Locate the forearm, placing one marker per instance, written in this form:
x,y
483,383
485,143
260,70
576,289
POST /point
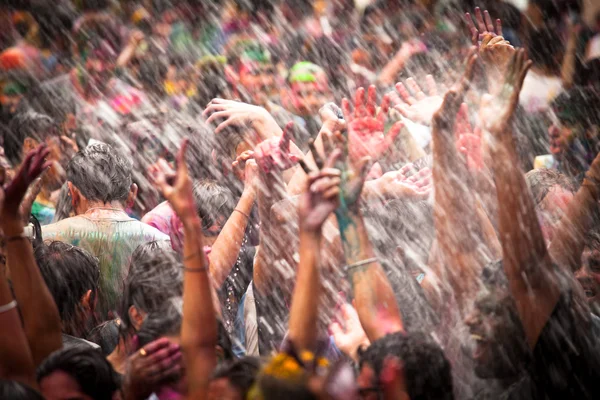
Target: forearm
x,y
41,319
199,326
390,71
373,295
125,56
16,362
568,66
226,248
305,301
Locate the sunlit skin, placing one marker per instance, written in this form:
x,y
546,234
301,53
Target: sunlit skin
x,y
589,276
552,209
61,386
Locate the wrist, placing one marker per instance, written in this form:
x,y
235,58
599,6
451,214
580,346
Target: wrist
x,y
248,194
12,226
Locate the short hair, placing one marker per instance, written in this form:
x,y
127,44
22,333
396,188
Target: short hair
x,y
26,124
212,201
69,272
241,373
414,350
540,181
100,173
18,391
155,275
94,374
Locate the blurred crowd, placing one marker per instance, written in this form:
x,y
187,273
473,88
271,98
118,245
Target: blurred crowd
x,y
299,199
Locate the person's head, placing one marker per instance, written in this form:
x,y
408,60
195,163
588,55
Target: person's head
x,y
255,71
155,275
552,193
545,49
18,391
572,118
233,379
414,350
309,88
166,322
72,276
99,175
588,274
78,373
212,80
214,204
13,93
499,348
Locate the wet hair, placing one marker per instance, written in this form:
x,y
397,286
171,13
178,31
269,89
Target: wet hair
x,y
26,124
166,321
69,272
155,275
414,350
573,106
241,373
64,206
18,391
100,173
94,374
541,181
106,335
212,201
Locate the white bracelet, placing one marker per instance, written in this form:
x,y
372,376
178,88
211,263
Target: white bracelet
x,y
8,306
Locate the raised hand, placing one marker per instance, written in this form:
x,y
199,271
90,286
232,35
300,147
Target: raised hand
x,y
497,112
397,185
468,141
366,136
12,195
246,169
229,113
419,106
322,195
445,117
484,26
274,153
176,186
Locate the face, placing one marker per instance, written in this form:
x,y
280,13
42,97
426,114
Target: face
x,y
309,97
175,388
497,343
259,82
552,209
589,277
99,72
222,389
61,386
560,137
368,387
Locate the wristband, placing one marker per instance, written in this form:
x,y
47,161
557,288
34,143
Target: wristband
x,y
8,306
241,212
360,264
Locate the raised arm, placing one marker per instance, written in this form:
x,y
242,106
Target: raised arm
x,y
373,295
199,325
16,361
569,240
41,319
526,261
226,248
459,232
319,200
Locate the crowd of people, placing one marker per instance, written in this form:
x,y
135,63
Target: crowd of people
x,y
299,199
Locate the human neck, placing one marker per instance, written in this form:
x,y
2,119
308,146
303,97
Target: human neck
x,y
90,206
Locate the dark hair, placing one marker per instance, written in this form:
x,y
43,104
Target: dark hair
x,y
26,124
100,173
18,391
166,321
212,201
155,275
541,181
64,206
415,350
69,272
241,373
545,48
94,374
